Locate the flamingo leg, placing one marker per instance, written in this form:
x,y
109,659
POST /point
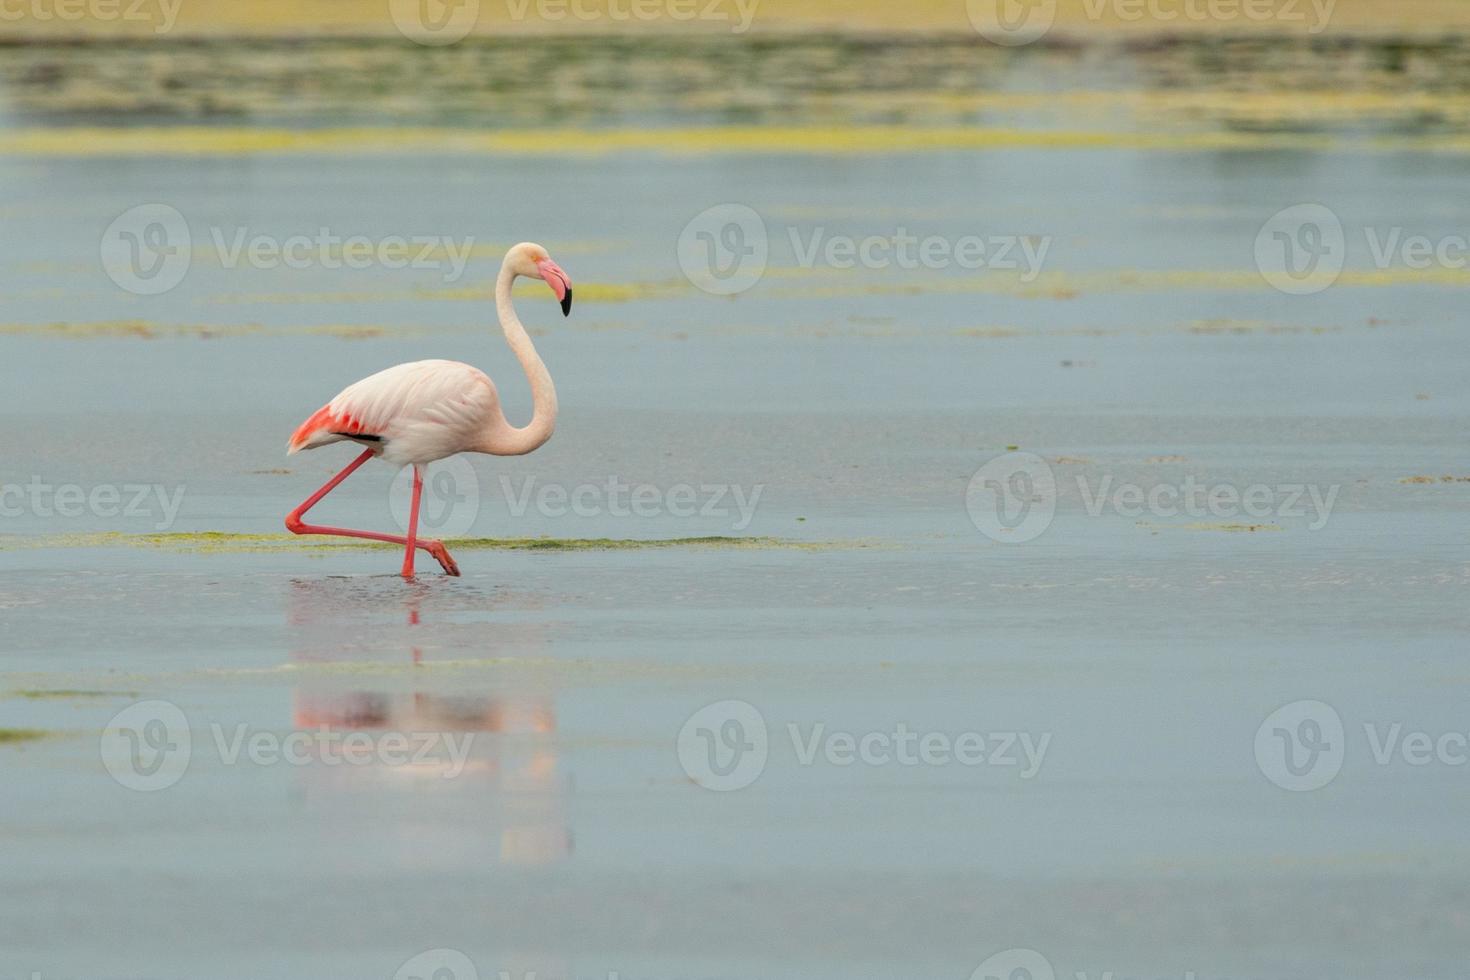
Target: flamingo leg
x,y
296,525
413,521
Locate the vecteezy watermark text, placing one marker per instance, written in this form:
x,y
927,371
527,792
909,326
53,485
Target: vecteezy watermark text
x,y
1024,254
725,747
453,964
1028,964
149,249
1013,498
442,22
726,249
162,14
1221,501
1302,746
615,498
149,746
451,499
737,13
1017,22
105,500
328,250
1303,249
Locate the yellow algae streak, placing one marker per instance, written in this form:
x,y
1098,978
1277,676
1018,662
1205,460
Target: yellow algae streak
x,y
218,141
827,140
587,292
106,328
36,694
148,330
228,543
15,736
818,283
1207,526
1069,285
1224,326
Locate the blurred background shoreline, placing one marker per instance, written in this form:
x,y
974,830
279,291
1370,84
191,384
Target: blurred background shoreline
x,y
1074,19
902,94
1144,74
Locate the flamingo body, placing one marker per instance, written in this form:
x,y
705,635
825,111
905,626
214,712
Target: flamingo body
x,y
410,414
416,413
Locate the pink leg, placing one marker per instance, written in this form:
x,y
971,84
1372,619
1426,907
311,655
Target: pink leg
x,y
413,521
296,525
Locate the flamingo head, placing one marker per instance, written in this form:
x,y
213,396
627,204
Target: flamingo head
x,y
531,260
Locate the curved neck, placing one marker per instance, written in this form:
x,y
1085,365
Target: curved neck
x,y
504,439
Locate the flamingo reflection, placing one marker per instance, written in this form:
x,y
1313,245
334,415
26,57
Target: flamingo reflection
x,y
480,767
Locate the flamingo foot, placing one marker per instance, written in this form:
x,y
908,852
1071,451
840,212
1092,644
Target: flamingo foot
x,y
442,556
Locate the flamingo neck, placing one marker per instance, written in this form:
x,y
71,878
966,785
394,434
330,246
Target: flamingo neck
x,y
505,439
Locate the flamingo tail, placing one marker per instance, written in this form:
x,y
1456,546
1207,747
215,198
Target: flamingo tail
x,y
324,428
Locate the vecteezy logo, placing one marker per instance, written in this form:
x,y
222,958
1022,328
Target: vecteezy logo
x,y
438,964
1015,964
723,250
1012,22
723,746
1301,250
1013,498
450,502
147,249
434,22
1300,746
147,746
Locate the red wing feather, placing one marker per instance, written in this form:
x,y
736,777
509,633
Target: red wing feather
x,y
324,422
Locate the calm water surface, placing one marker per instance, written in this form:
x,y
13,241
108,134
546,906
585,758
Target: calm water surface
x,y
1138,653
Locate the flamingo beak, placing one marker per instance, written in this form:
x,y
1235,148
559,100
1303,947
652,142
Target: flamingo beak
x,y
560,283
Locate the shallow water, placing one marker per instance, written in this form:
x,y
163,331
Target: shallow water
x,y
850,410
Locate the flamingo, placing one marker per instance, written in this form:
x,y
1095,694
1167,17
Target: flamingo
x,y
416,413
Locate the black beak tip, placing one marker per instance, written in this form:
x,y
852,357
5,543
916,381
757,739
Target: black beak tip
x,y
566,304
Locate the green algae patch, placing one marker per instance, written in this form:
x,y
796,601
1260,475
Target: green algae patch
x,y
69,695
139,329
19,736
618,544
221,542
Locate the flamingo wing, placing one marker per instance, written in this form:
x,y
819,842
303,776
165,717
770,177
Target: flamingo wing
x,y
412,413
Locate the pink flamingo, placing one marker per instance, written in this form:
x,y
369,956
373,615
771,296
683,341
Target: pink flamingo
x,y
416,413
